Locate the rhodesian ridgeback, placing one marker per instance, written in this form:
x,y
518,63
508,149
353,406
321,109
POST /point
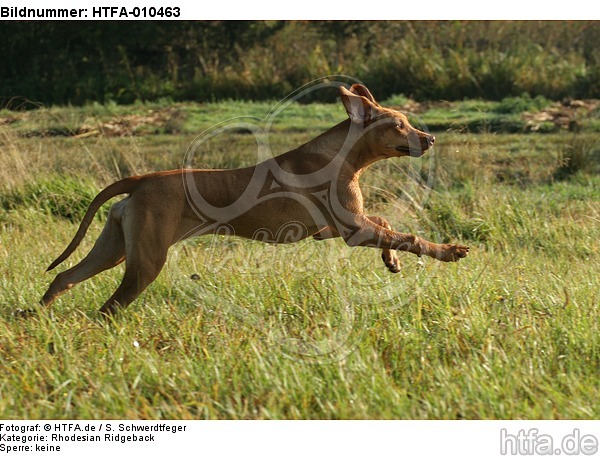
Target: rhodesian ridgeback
x,y
312,190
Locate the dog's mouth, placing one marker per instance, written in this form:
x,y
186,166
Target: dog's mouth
x,y
412,151
416,144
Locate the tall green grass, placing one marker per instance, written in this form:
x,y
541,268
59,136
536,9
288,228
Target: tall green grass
x,y
242,330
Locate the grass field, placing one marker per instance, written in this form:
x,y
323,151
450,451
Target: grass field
x,y
316,329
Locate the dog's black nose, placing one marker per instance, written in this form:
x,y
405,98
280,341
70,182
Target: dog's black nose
x,y
431,140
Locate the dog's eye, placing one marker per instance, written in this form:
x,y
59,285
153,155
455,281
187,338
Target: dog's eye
x,y
400,125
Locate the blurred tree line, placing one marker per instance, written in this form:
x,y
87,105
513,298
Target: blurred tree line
x,y
79,62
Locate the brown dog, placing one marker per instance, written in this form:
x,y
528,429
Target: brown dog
x,y
310,191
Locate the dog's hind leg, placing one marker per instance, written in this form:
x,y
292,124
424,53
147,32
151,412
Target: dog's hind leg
x,y
146,245
138,275
134,282
108,252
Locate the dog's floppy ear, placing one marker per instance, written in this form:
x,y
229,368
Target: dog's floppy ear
x,y
360,109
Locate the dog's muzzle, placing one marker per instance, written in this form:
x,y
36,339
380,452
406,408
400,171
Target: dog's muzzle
x,y
418,145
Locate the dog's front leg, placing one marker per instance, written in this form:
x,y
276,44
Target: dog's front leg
x,y
388,256
367,233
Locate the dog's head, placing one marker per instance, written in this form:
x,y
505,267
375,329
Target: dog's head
x,y
387,131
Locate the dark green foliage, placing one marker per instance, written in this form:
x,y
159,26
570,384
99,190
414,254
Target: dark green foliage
x,y
62,62
517,105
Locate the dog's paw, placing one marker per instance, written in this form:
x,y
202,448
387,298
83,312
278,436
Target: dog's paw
x,y
391,261
451,252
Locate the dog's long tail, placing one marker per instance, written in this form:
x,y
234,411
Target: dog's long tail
x,y
118,188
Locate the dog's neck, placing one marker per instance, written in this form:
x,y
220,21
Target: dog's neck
x,y
346,143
